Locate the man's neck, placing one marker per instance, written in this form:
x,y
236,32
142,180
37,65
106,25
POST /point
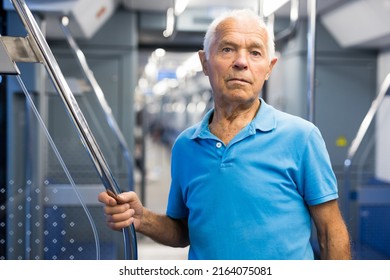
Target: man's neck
x,y
226,123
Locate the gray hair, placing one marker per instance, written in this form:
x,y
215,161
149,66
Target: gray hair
x,y
238,14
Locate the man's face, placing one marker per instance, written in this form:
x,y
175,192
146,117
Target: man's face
x,y
238,62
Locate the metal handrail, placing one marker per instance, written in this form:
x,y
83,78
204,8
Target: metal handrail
x,y
46,57
291,29
357,141
355,144
102,100
288,32
311,58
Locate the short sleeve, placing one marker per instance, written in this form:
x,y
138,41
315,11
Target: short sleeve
x,y
319,182
176,207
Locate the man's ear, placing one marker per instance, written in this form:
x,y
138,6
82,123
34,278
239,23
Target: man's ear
x,y
271,66
203,61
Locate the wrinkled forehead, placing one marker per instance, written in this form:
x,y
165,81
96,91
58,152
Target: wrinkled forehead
x,y
250,28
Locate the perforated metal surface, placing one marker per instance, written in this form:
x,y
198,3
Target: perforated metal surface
x,y
37,229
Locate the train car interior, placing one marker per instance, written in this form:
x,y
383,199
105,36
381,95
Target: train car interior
x,y
93,94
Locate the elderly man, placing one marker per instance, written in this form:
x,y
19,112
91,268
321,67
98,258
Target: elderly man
x,y
248,180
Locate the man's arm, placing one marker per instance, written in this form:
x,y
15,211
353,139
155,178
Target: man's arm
x,y
164,230
332,232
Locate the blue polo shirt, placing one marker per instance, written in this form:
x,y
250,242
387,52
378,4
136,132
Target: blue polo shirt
x,y
248,199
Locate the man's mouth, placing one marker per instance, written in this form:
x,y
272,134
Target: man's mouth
x,y
238,80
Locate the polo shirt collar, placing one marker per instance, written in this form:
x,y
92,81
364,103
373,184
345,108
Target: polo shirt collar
x,y
202,131
265,120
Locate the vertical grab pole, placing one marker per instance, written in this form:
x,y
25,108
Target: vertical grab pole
x,y
40,47
311,48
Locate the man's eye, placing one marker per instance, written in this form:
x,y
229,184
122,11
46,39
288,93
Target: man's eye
x,y
256,53
226,50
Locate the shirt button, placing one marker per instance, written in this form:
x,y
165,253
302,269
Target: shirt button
x,y
218,145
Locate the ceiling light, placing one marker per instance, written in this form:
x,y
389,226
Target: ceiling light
x,y
180,6
160,52
271,6
170,27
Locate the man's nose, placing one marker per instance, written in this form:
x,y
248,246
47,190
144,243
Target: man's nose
x,y
241,60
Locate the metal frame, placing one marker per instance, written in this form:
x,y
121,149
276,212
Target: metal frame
x,y
36,49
